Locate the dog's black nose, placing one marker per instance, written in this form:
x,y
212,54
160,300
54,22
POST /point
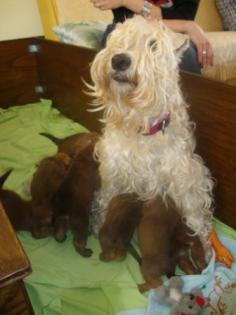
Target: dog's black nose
x,y
120,62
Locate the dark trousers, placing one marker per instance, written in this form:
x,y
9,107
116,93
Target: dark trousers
x,y
189,60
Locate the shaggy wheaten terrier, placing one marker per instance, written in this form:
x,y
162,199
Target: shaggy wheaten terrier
x,y
147,146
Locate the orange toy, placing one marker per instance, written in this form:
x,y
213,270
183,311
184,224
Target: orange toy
x,y
223,255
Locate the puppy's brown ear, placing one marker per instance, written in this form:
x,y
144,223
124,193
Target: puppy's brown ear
x,y
88,150
4,177
64,157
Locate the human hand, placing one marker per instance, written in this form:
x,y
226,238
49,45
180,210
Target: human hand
x,y
107,4
133,5
199,38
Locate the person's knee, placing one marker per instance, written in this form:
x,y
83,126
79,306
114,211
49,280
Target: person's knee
x,y
107,32
189,60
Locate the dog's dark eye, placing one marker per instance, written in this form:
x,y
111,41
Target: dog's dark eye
x,y
190,307
153,44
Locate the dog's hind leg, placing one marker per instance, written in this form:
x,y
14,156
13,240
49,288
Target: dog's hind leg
x,y
61,226
154,283
123,214
79,226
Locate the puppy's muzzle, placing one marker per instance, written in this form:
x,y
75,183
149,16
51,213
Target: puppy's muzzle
x,y
120,62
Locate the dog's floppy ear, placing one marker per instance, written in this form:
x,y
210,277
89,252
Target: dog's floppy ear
x,y
180,49
180,43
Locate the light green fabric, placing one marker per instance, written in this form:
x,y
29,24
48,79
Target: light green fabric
x,y
62,282
65,282
21,145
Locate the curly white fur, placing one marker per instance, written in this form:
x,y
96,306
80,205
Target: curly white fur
x,y
160,164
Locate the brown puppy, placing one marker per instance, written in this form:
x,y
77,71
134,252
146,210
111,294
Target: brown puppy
x,y
165,241
73,144
18,210
76,194
46,182
155,232
123,215
187,249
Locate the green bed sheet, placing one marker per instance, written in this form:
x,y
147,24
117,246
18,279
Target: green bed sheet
x,y
62,282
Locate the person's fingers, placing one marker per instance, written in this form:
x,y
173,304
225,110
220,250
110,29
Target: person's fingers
x,y
210,55
200,49
204,54
100,4
106,4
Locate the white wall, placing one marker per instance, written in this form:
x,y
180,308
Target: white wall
x,y
19,19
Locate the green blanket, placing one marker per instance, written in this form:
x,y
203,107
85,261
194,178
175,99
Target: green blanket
x,y
62,282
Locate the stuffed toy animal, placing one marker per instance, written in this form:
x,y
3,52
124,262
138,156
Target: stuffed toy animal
x,y
190,303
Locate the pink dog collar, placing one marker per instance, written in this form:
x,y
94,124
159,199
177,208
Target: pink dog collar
x,y
159,125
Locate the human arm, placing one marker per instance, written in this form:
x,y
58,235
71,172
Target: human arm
x,y
191,28
134,6
197,36
182,9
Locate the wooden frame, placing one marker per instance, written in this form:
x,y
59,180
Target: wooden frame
x,y
58,68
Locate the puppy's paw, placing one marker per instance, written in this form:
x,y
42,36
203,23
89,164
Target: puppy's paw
x,y
41,232
113,254
120,254
107,255
81,249
143,287
60,236
85,252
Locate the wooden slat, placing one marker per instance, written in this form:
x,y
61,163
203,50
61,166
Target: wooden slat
x,y
18,73
14,300
61,69
14,264
213,108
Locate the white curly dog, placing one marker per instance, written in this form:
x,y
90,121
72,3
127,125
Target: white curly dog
x,y
147,146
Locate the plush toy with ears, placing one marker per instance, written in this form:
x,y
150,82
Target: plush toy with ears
x,y
190,303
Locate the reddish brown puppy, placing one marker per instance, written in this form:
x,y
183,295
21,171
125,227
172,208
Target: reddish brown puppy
x,y
165,241
123,215
76,194
19,211
46,182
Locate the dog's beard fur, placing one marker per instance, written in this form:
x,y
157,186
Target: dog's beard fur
x,y
130,162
